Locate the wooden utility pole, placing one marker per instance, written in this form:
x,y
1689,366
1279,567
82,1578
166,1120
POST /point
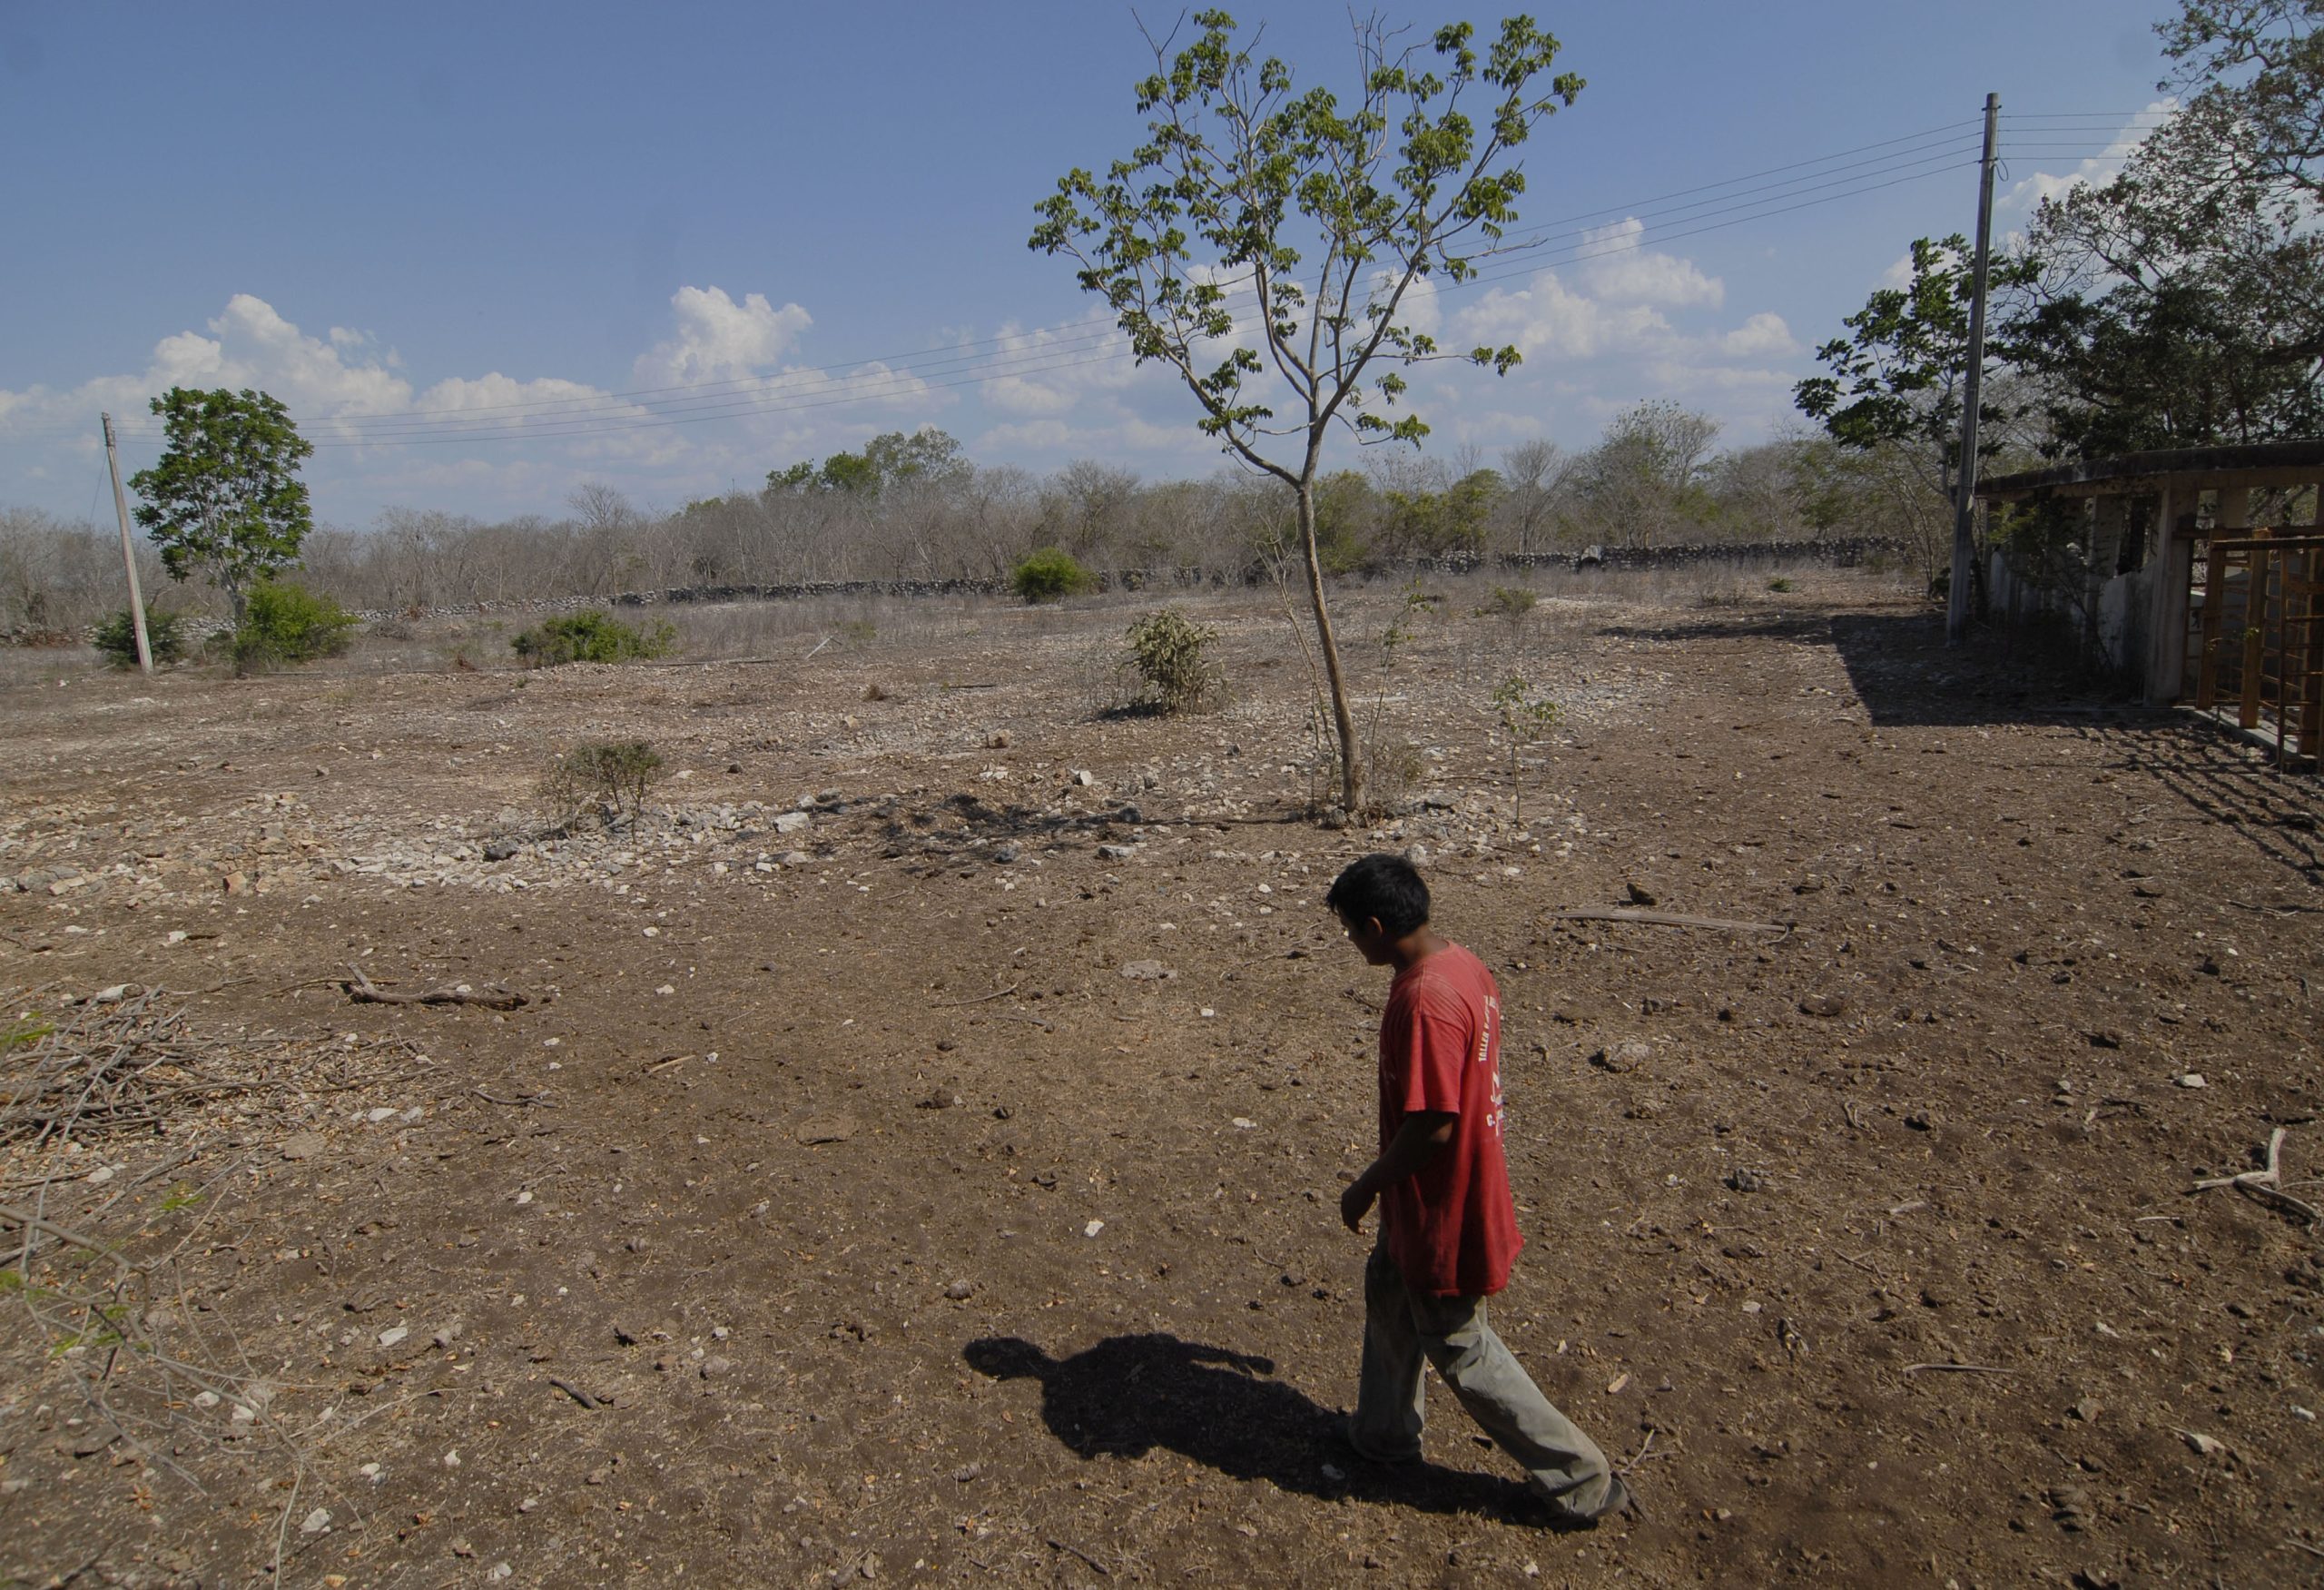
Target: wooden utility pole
x,y
128,554
1965,508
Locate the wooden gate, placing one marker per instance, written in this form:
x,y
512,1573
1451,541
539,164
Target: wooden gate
x,y
2259,620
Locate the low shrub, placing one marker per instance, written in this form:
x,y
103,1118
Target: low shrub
x,y
1512,602
590,637
1049,574
1169,652
1779,585
612,775
116,638
284,623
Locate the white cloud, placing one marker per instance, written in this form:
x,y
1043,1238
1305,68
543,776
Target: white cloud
x,y
1762,336
1032,436
1618,268
250,344
1547,318
718,340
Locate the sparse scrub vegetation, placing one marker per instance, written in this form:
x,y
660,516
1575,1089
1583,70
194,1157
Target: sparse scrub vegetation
x,y
1524,717
591,638
611,778
1170,655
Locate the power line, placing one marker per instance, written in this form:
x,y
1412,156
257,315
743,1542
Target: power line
x,y
1640,209
1038,351
902,378
739,410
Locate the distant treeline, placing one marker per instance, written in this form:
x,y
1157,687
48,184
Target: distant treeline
x,y
912,508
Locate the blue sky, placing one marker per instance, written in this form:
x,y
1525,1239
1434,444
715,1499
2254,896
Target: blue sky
x,y
417,222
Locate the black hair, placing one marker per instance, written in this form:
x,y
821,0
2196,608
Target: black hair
x,y
1385,886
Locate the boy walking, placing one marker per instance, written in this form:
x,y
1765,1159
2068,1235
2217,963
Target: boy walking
x,y
1448,1226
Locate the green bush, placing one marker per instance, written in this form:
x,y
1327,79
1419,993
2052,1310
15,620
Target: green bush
x,y
591,638
284,623
611,775
1512,602
117,638
1779,585
1049,574
1167,650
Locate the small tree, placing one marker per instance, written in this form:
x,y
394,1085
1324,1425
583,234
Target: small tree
x,y
115,635
225,499
1526,717
1197,241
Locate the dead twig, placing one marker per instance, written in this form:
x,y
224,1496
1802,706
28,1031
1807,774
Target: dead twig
x,y
576,1394
1669,919
1075,1551
509,1103
954,1004
31,1224
2267,1185
1959,1368
493,996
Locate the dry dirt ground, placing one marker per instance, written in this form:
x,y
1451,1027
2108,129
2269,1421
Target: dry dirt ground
x,y
839,1209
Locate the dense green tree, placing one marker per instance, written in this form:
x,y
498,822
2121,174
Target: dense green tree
x,y
2255,69
2182,302
1264,242
2168,311
1897,378
225,499
1643,482
928,456
1434,524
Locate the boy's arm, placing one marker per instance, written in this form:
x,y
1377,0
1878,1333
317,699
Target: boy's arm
x,y
1424,1135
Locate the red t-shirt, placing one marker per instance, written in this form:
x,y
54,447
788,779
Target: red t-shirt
x,y
1452,1229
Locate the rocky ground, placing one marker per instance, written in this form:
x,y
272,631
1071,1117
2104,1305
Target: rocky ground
x,y
910,1149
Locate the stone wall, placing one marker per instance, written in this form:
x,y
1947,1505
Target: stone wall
x,y
1847,553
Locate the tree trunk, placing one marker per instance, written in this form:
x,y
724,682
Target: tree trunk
x,y
1342,719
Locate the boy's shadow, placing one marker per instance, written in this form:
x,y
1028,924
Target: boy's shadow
x,y
1130,1394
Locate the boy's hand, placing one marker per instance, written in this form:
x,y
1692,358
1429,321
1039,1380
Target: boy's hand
x,y
1356,1202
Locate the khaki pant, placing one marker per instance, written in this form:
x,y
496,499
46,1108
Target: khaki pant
x,y
1401,1327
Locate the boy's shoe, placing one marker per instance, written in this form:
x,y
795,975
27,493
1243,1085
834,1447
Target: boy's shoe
x,y
1619,1501
1347,1439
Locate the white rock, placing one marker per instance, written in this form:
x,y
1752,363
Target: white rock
x,y
1093,1227
2193,1079
316,1522
394,1334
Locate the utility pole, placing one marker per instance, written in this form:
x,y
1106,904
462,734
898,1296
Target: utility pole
x,y
128,553
1965,509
